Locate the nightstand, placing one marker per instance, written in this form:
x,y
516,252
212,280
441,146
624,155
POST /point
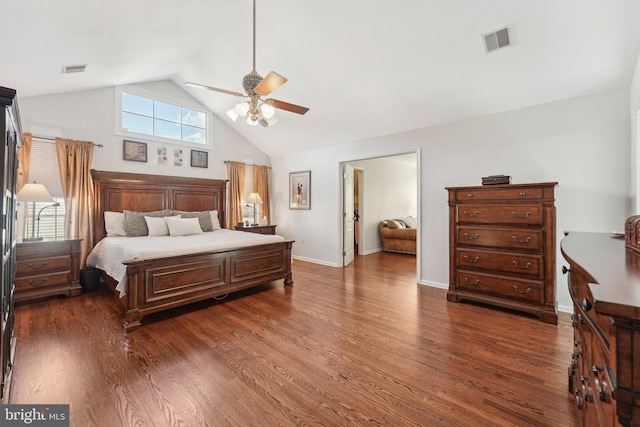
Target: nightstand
x,y
45,268
259,229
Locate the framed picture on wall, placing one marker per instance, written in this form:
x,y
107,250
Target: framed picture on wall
x,y
199,159
135,151
300,190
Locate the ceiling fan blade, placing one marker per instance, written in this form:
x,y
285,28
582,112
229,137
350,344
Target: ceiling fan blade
x,y
286,106
228,92
270,83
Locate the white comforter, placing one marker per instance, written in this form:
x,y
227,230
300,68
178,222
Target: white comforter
x,y
109,254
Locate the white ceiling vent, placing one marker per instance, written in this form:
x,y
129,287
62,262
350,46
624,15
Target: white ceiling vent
x,y
496,39
68,69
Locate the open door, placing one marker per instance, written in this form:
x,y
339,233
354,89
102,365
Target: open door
x,y
347,217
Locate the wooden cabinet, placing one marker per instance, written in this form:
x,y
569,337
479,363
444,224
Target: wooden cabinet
x,y
11,140
259,229
47,268
604,371
502,247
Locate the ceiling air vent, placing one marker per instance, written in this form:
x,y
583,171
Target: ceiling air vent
x,y
496,40
68,69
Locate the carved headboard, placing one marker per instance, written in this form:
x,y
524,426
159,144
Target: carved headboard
x,y
118,191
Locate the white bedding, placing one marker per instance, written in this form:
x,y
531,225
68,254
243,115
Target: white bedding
x,y
109,254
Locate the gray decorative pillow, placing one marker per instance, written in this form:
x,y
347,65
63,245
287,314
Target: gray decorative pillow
x,y
204,218
410,222
135,223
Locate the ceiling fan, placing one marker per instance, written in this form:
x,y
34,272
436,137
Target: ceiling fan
x,y
259,110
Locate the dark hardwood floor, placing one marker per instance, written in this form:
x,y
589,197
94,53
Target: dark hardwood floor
x,y
363,345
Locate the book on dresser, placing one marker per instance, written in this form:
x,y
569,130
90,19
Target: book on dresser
x,y
502,247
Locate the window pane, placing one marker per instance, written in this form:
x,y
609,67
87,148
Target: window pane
x,y
194,118
167,129
136,123
192,134
166,111
51,223
137,104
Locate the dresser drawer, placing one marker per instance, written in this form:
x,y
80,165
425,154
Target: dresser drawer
x,y
495,237
35,250
504,262
493,193
525,214
29,283
29,267
517,290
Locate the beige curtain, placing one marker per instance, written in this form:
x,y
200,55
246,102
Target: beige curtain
x,y
236,172
24,161
261,186
74,161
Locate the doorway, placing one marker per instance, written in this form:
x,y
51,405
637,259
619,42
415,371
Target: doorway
x,y
384,187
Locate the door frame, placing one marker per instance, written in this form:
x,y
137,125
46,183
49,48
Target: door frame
x,y
340,169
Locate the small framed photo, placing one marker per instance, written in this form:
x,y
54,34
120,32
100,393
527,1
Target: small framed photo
x,y
199,159
300,190
135,151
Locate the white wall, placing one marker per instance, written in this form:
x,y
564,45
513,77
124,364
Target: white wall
x,y
389,191
583,143
89,116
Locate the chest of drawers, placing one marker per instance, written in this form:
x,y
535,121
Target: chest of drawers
x,y
258,229
47,268
502,247
604,371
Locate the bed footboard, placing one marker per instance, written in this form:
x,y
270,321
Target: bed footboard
x,y
160,284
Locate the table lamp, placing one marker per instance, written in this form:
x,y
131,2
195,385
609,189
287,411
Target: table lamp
x,y
254,198
34,193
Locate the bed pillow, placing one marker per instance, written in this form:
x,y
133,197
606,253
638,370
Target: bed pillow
x,y
183,226
215,222
114,224
158,225
135,223
203,217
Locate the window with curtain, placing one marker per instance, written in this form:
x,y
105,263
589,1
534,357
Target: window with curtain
x,y
44,170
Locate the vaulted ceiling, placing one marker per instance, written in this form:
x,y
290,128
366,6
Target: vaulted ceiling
x,y
365,68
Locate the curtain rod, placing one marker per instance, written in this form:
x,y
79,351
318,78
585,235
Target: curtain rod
x,y
246,164
49,138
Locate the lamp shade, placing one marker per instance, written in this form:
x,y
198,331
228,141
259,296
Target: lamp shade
x,y
254,198
34,193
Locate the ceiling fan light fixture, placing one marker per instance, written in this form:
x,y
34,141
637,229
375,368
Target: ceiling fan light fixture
x,y
251,122
232,114
242,109
267,111
268,122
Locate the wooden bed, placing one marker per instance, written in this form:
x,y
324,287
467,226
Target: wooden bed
x,y
160,284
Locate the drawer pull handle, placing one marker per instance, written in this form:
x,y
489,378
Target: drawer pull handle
x,y
466,280
527,265
43,265
42,282
515,287
468,259
466,236
522,194
526,215
602,393
470,195
517,239
466,213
